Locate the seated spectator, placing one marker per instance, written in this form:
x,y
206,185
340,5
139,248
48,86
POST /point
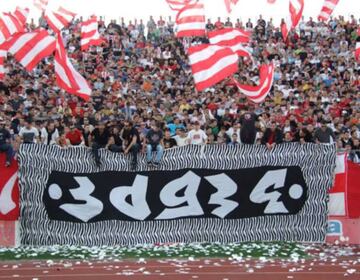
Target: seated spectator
x,y
168,141
197,136
154,143
131,141
115,143
29,134
272,136
99,138
5,143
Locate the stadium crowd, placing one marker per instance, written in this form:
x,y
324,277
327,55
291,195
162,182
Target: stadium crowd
x,y
144,98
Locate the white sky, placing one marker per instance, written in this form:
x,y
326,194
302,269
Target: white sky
x,y
129,9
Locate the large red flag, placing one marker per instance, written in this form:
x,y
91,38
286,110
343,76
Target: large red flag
x,y
9,190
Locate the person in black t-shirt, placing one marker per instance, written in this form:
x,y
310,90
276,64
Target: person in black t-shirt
x,y
115,143
168,141
248,129
132,143
99,139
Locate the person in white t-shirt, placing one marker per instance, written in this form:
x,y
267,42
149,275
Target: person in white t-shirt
x,y
28,133
197,136
49,134
181,137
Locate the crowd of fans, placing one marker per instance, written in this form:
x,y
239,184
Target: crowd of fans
x,y
144,98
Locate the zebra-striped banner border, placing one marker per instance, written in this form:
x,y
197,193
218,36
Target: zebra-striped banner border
x,y
317,163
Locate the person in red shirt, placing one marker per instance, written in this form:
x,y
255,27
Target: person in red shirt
x,y
219,24
74,136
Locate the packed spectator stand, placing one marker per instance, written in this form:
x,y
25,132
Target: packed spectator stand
x,y
144,97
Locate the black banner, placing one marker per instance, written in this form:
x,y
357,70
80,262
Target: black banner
x,y
166,195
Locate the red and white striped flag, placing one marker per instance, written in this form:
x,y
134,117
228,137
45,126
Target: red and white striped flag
x,y
89,34
190,21
22,14
337,195
327,9
59,19
9,25
296,8
3,54
210,64
233,38
30,48
229,5
41,4
67,77
177,5
258,93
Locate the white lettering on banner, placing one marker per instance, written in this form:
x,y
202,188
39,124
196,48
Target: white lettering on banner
x,y
226,187
86,211
168,197
274,178
138,209
132,200
6,202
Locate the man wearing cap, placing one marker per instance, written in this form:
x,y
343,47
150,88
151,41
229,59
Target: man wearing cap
x,y
5,145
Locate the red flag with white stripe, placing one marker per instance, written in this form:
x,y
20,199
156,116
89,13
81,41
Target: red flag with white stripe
x,y
190,21
9,25
211,64
337,195
231,37
41,4
229,4
89,34
59,19
22,14
30,48
67,77
177,5
296,8
327,9
9,190
259,92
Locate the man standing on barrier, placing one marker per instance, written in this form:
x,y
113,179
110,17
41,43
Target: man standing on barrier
x,y
248,129
99,139
154,143
132,143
